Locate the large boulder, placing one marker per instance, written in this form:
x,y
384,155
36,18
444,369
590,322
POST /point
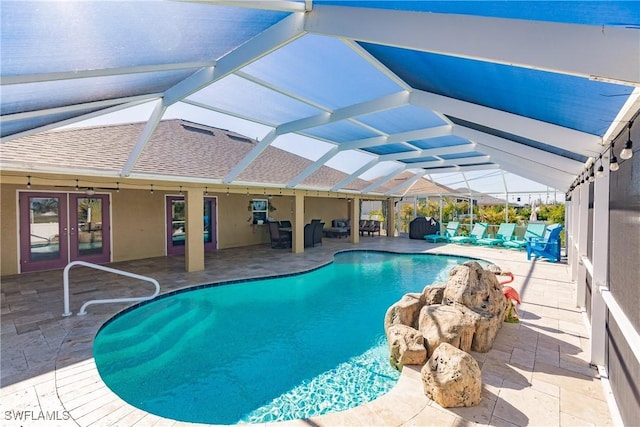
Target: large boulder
x,y
406,346
451,324
452,378
478,289
404,312
433,294
466,312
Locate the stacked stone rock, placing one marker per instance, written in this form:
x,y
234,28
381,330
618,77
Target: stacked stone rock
x,y
444,323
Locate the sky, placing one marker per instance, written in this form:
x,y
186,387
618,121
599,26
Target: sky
x,y
489,181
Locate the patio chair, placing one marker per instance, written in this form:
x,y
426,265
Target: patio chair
x,y
450,231
308,235
548,246
279,239
534,230
370,227
317,232
504,234
285,223
477,232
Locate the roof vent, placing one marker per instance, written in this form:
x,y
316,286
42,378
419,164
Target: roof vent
x,y
241,138
200,129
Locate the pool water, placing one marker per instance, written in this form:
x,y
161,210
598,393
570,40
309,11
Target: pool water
x,y
265,350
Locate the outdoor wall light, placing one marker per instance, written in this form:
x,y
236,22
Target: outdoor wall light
x,y
627,151
28,181
151,188
613,161
77,186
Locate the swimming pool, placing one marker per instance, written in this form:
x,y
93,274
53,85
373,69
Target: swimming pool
x,y
265,350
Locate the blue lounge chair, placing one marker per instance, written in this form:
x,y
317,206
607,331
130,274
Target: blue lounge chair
x,y
504,234
548,246
477,232
534,230
450,231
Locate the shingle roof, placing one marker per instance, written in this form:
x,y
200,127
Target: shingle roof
x,y
177,148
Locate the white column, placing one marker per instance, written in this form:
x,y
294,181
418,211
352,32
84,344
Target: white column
x,y
391,218
573,235
194,251
600,263
582,234
298,223
355,221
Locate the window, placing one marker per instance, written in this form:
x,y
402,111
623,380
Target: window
x,y
259,210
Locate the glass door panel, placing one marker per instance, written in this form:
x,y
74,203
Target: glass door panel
x,y
177,225
176,221
89,232
210,227
43,231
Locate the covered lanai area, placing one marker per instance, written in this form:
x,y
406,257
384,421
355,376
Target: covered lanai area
x,y
326,103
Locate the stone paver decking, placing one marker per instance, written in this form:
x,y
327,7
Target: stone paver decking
x,y
537,373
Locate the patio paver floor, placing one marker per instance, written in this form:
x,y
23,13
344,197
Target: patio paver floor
x,y
537,373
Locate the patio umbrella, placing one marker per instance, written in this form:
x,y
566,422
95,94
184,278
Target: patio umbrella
x,y
534,215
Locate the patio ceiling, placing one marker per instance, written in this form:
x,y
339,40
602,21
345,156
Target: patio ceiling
x,y
538,89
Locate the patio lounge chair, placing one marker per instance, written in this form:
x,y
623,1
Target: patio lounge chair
x,y
548,246
534,229
449,232
504,234
477,232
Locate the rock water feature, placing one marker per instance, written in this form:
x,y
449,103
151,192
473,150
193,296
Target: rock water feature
x,y
440,326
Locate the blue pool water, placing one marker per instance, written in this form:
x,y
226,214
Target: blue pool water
x,y
265,350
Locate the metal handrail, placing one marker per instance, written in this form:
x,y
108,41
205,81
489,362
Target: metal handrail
x,y
103,301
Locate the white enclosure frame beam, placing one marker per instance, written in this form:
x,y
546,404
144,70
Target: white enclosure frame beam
x,y
356,174
568,139
129,102
144,138
384,179
405,184
589,51
581,247
284,32
249,158
600,261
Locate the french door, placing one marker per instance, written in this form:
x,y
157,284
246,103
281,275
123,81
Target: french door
x,y
57,228
176,225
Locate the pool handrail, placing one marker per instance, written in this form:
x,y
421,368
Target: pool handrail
x,y
82,311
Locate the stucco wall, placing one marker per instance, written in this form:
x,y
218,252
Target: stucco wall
x,y
325,209
137,225
138,221
9,230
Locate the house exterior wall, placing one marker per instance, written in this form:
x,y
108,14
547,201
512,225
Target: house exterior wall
x,y
325,209
9,230
138,221
137,225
